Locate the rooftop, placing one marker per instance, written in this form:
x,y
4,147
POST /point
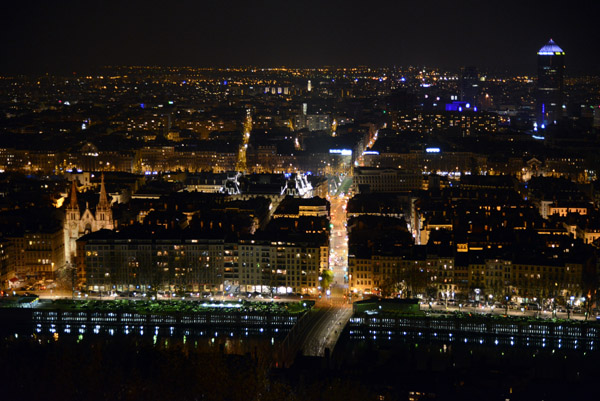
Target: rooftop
x,y
551,49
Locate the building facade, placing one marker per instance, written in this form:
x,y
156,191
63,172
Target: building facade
x,y
7,267
110,261
442,277
38,254
369,179
78,224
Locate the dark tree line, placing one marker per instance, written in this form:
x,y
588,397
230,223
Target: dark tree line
x,y
134,369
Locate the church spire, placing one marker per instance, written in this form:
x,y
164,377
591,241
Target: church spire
x,y
103,203
103,211
73,204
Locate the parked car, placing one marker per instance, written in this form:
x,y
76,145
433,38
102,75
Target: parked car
x,y
532,306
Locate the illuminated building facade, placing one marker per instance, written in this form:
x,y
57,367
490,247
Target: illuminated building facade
x,y
108,260
464,120
368,179
37,254
7,268
442,276
77,224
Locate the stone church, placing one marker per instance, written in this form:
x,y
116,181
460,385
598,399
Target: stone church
x,y
78,224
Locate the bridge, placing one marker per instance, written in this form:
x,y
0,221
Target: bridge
x,y
315,332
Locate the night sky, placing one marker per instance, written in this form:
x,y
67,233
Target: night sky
x,y
64,36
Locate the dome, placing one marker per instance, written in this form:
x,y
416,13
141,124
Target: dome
x,y
551,49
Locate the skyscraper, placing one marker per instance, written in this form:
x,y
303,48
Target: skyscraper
x,y
469,85
549,99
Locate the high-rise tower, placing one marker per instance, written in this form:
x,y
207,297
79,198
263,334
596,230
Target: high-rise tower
x,y
549,97
469,85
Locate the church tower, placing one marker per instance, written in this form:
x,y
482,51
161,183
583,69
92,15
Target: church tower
x,y
103,210
71,227
78,224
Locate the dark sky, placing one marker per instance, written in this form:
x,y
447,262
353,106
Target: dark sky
x,y
65,35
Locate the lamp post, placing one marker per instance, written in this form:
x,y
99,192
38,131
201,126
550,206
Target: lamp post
x,y
588,305
570,306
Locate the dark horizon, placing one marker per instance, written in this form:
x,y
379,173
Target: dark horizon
x,y
40,37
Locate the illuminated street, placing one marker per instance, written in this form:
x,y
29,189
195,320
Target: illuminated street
x,y
338,259
334,310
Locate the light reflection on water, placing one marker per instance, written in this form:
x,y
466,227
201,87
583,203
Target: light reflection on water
x,y
387,337
159,331
227,339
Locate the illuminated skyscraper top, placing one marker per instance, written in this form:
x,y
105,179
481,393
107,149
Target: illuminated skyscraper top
x,y
551,49
549,97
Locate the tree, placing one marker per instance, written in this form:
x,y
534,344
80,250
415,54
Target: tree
x,y
326,278
393,287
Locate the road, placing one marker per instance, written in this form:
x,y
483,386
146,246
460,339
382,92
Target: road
x,y
503,311
325,329
333,311
323,326
338,243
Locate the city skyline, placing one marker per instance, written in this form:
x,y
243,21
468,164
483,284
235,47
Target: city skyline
x,y
334,200
71,37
